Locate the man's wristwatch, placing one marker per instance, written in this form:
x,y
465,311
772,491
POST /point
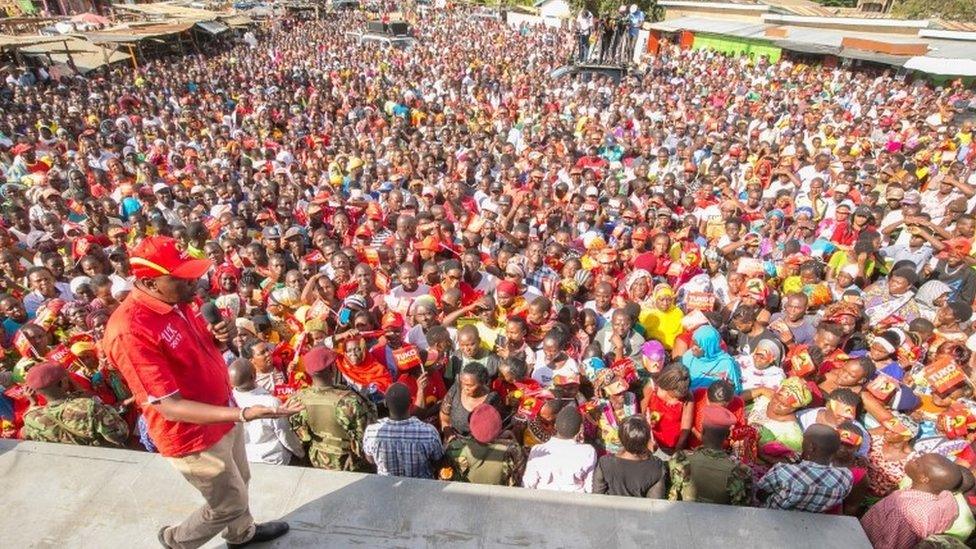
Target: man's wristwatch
x,y
243,419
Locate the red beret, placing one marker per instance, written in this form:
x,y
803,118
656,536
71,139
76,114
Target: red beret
x,y
44,375
485,423
318,359
718,417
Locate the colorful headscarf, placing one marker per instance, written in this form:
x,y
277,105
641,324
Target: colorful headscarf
x,y
663,290
796,392
835,311
636,275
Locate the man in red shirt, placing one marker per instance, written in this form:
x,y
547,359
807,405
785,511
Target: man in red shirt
x,y
170,358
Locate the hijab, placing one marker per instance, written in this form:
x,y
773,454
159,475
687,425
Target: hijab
x,y
714,363
926,296
663,326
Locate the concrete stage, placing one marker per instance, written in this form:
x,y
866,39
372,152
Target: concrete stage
x,y
76,497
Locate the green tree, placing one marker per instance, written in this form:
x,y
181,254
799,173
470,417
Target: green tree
x,y
651,9
954,10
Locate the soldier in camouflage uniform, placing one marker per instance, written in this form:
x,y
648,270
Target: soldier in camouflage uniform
x,y
332,423
484,457
709,474
69,419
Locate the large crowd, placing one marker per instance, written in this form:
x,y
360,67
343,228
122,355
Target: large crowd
x,y
718,279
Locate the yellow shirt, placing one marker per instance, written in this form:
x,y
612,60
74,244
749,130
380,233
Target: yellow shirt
x,y
663,326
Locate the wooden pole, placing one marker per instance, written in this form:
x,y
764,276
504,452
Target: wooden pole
x,y
132,55
71,60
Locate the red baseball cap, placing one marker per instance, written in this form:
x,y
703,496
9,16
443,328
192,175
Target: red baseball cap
x,y
158,255
392,320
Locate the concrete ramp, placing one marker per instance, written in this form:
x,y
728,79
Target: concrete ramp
x,y
75,497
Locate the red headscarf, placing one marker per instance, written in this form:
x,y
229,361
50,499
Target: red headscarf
x,y
366,373
222,270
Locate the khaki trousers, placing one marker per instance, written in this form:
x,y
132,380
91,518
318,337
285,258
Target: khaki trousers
x,y
221,475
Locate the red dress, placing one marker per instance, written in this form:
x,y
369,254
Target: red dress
x,y
666,420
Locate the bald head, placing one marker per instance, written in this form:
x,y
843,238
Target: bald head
x,y
241,373
933,473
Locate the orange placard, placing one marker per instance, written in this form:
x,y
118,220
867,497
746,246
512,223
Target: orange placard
x,y
944,375
406,357
882,386
700,301
802,364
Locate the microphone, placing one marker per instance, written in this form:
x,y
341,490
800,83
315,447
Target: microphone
x,y
211,313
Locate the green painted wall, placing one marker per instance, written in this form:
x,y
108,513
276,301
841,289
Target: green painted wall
x,y
737,46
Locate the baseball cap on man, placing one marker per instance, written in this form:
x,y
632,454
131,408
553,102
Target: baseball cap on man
x,y
158,255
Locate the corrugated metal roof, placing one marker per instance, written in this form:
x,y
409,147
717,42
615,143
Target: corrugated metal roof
x,y
237,20
164,9
86,56
894,60
951,49
134,33
213,27
807,47
10,40
961,26
729,27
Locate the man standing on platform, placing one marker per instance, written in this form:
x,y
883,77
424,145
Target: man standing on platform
x,y
171,358
584,26
635,20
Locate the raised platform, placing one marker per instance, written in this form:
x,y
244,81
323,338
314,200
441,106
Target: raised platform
x,y
77,497
586,70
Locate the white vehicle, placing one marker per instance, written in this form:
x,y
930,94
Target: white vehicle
x,y
387,40
485,14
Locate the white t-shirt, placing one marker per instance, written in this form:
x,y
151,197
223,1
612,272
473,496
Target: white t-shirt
x,y
399,300
543,372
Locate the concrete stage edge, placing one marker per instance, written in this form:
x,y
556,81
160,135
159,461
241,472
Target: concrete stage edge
x,y
77,497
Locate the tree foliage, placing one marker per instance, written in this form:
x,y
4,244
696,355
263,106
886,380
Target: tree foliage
x,y
651,9
954,10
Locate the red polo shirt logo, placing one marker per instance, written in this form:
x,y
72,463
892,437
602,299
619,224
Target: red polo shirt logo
x,y
171,336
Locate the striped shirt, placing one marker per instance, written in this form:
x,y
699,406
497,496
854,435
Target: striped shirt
x,y
403,448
